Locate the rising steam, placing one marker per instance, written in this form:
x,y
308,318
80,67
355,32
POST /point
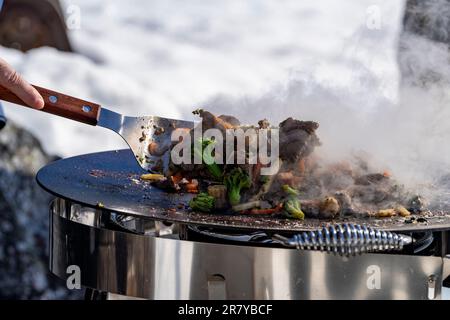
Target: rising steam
x,y
407,133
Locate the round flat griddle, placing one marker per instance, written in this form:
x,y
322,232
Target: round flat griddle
x,y
111,180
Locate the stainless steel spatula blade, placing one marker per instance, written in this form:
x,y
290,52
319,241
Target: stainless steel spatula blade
x,y
149,137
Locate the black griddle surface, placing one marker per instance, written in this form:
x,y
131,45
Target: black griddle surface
x,y
112,180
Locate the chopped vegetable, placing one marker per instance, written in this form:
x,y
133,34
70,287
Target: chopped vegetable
x,y
329,207
202,202
386,213
278,208
152,177
247,205
219,192
236,180
293,209
402,211
292,205
264,179
207,158
192,186
289,190
416,204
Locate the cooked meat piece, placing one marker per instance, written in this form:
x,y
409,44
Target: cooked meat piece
x,y
329,208
210,121
297,139
417,204
286,178
386,213
231,120
311,208
402,211
156,149
263,124
219,192
348,207
190,186
345,202
371,179
167,184
293,124
320,209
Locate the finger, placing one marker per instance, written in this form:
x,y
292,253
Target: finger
x,y
12,80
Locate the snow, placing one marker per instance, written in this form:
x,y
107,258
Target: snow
x,y
167,57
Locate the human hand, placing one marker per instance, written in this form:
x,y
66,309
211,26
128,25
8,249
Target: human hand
x,y
12,80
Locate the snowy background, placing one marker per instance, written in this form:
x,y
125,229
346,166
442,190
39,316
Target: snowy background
x,y
166,57
335,62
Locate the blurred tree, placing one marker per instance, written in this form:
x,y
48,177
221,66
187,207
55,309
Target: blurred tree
x,y
426,25
428,18
28,24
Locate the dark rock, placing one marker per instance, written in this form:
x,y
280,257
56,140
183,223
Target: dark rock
x,y
428,19
24,221
426,27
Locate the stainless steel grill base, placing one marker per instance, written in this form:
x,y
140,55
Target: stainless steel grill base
x,y
164,267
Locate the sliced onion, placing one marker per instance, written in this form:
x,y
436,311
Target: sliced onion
x,y
247,205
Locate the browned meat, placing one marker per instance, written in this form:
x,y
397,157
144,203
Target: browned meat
x,y
231,120
286,178
345,202
291,124
371,179
326,208
311,208
329,208
348,207
297,139
264,124
210,121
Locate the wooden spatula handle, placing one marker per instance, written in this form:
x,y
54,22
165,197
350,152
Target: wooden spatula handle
x,y
60,104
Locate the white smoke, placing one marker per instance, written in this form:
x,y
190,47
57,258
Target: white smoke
x,y
402,124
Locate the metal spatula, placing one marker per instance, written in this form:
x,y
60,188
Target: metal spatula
x,y
149,137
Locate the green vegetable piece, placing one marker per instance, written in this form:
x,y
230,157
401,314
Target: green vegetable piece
x,y
213,168
293,208
264,179
289,190
202,202
236,180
